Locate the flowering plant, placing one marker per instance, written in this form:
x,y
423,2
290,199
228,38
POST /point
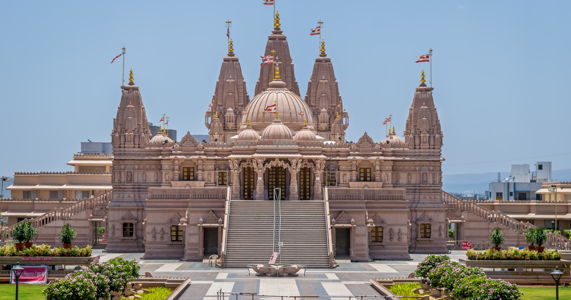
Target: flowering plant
x,y
482,288
45,250
513,254
100,281
119,271
78,287
429,263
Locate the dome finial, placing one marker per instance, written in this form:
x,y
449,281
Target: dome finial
x,y
277,75
422,79
248,123
304,122
322,48
277,21
230,48
131,78
277,115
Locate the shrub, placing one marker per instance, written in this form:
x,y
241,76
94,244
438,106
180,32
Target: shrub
x,y
496,289
67,234
513,254
496,237
466,287
436,275
451,233
540,237
45,250
530,236
78,287
24,232
430,263
457,272
157,293
100,281
119,271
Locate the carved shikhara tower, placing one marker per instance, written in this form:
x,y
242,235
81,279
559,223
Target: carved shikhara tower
x,y
384,198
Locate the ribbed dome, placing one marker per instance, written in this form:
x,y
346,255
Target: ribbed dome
x,y
292,110
277,131
160,139
306,134
392,139
248,134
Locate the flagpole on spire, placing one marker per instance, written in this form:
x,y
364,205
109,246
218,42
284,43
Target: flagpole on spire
x,y
229,40
430,55
123,51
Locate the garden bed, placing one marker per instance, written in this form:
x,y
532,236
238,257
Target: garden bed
x,y
529,272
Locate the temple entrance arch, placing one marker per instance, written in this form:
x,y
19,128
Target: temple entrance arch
x,y
276,177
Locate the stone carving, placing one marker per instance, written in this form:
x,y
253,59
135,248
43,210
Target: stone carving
x,y
154,233
391,234
163,232
366,141
399,235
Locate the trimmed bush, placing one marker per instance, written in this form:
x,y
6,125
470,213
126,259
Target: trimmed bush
x,y
78,287
100,281
496,238
45,250
513,254
67,234
119,271
430,263
477,287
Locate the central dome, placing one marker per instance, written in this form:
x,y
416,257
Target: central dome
x,y
292,110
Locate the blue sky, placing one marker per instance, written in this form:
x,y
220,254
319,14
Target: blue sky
x,y
501,70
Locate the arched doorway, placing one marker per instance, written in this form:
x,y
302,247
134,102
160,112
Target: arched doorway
x,y
276,177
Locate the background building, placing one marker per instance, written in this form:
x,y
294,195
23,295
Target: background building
x,y
522,184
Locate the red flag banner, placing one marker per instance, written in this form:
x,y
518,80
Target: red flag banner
x,y
315,31
388,120
116,57
269,2
268,59
271,108
423,58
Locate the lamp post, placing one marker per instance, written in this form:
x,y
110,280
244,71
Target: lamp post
x,y
3,179
553,189
556,275
18,270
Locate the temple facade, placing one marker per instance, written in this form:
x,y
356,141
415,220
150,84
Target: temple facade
x,y
190,199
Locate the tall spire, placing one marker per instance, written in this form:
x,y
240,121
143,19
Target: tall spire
x,y
323,96
423,129
230,94
277,42
130,126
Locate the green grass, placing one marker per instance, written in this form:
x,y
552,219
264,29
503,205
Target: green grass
x,y
157,293
405,289
540,293
26,291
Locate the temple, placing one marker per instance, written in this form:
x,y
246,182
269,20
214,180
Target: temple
x,y
277,160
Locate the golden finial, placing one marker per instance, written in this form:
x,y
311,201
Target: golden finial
x,y
277,21
131,78
277,72
230,48
277,117
336,114
322,49
305,122
422,78
216,115
248,123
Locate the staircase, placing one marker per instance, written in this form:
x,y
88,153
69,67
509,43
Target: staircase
x,y
250,231
62,213
555,241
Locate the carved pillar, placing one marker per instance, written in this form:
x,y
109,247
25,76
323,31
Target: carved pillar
x,y
259,168
235,169
353,171
387,173
176,171
295,164
378,170
318,189
199,170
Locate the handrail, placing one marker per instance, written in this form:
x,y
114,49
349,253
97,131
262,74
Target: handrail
x,y
62,213
328,227
225,226
554,240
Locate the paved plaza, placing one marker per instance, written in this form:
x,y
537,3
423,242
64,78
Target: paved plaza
x,y
349,279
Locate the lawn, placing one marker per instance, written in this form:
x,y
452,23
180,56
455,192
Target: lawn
x,y
27,291
540,293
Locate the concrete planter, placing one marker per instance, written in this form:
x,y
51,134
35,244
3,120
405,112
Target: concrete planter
x,y
522,271
48,260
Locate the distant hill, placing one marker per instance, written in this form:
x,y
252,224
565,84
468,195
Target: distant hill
x,y
478,182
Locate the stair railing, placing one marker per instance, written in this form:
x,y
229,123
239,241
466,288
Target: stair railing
x,y
328,228
62,213
554,240
225,226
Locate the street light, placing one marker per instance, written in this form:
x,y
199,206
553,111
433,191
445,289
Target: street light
x,y
3,179
553,189
556,275
18,270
